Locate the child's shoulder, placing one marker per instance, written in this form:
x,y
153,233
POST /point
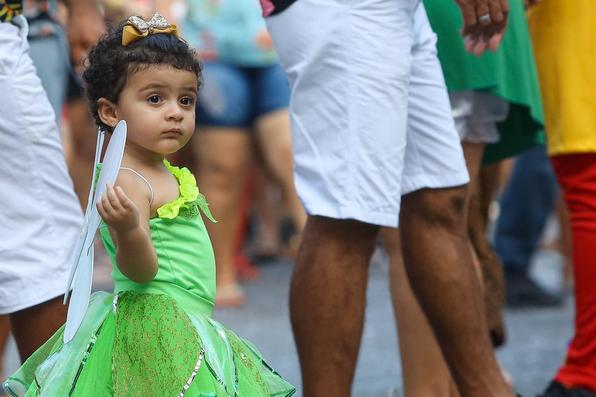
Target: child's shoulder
x,y
136,187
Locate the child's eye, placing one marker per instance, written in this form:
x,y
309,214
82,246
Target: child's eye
x,y
187,101
154,99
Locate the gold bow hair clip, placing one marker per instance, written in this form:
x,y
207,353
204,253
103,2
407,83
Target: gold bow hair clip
x,y
136,28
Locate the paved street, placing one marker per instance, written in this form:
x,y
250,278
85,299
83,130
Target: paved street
x,y
536,337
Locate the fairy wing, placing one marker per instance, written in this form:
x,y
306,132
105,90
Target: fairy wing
x,y
81,274
78,248
109,172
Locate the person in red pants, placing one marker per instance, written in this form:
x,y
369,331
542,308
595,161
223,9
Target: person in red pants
x,y
565,57
576,173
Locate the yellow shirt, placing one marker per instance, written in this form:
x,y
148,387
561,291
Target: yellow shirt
x,y
564,38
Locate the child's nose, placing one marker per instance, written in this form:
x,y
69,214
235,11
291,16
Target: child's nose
x,y
174,112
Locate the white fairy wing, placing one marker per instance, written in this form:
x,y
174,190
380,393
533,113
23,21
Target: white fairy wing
x,y
109,172
81,293
81,274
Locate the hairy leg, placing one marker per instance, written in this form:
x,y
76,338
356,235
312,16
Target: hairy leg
x,y
424,370
436,252
490,263
483,183
473,154
327,302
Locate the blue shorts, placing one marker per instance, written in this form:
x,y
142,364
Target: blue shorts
x,y
234,96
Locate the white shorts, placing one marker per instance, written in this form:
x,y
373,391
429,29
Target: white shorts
x,y
476,115
370,114
40,214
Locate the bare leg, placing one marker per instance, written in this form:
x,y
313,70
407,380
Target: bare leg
x,y
83,134
473,154
437,258
425,372
490,263
4,333
480,193
268,211
33,326
273,134
223,156
327,301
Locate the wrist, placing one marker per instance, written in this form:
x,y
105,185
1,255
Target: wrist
x,y
126,231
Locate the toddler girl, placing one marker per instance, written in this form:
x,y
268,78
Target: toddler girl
x,y
154,336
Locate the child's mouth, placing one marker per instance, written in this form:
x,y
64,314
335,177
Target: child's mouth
x,y
173,132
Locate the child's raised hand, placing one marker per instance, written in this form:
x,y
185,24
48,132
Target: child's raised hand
x,y
117,210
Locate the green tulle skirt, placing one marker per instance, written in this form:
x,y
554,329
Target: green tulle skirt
x,y
138,344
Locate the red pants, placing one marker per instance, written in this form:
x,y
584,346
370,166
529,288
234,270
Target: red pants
x,y
577,176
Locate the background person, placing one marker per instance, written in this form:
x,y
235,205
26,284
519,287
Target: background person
x,y
563,37
371,122
495,101
42,217
243,103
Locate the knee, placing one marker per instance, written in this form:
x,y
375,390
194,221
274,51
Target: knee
x,y
342,235
444,208
220,176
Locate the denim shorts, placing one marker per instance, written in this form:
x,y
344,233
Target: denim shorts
x,y
235,96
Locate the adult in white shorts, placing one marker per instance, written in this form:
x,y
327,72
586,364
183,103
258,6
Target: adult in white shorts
x,y
372,123
41,216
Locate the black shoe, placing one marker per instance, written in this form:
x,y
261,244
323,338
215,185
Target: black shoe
x,y
556,389
521,291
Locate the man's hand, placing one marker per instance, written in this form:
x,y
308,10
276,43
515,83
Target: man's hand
x,y
484,23
85,26
117,210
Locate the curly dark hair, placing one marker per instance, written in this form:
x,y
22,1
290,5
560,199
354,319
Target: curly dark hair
x,y
110,63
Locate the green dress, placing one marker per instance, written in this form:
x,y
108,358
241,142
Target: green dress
x,y
509,73
158,338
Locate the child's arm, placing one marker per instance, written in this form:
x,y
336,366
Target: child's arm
x,y
128,219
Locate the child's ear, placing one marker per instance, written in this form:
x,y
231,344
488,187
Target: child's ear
x,y
107,112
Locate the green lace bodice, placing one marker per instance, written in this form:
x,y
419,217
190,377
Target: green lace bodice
x,y
186,263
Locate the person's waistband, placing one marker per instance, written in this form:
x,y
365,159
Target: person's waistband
x,y
9,9
272,7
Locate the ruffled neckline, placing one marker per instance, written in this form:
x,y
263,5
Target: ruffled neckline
x,y
189,197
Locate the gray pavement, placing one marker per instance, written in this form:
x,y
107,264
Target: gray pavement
x,y
536,345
